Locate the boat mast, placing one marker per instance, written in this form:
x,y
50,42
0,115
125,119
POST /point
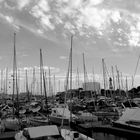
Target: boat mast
x,y
15,87
54,84
78,83
104,77
33,82
85,73
71,77
133,77
94,89
66,84
1,80
126,88
113,78
27,88
18,80
6,78
50,88
122,81
44,81
93,79
118,80
41,72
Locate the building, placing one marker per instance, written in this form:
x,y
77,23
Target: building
x,y
91,86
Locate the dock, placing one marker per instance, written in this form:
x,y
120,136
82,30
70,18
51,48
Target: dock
x,y
98,127
116,131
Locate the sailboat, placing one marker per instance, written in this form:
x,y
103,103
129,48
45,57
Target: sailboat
x,y
38,118
11,122
61,113
33,105
69,134
129,120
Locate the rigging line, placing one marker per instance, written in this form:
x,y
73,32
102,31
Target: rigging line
x,y
135,71
107,70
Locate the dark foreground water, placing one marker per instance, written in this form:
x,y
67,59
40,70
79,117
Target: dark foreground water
x,y
106,136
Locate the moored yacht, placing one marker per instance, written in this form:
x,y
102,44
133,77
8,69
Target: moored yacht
x,y
130,119
60,114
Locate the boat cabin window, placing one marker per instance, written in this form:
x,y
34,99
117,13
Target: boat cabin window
x,y
75,135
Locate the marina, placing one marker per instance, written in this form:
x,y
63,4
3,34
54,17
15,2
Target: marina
x,y
69,70
75,118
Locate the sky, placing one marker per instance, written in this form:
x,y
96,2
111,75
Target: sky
x,y
108,29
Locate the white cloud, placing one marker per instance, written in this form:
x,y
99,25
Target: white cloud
x,y
39,12
93,17
95,2
45,21
63,57
75,3
39,31
22,3
43,5
36,12
86,18
116,16
134,39
10,20
69,27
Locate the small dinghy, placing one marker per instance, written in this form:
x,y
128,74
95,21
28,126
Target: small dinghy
x,y
73,135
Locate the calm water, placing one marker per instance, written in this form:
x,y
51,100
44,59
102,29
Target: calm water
x,y
105,136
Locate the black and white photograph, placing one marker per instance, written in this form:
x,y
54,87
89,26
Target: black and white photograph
x,y
69,69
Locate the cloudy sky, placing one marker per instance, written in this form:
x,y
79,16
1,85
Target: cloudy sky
x,y
108,29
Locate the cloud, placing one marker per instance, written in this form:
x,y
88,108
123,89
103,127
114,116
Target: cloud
x,y
117,20
63,57
10,21
1,57
43,4
22,3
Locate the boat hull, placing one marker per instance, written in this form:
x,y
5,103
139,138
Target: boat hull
x,y
36,122
11,124
126,126
58,120
73,135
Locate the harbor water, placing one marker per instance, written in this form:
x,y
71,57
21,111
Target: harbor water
x,y
106,136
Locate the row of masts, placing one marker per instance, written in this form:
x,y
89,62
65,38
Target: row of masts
x,y
117,82
109,81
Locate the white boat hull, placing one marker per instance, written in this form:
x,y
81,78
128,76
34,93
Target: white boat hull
x,y
11,124
73,135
